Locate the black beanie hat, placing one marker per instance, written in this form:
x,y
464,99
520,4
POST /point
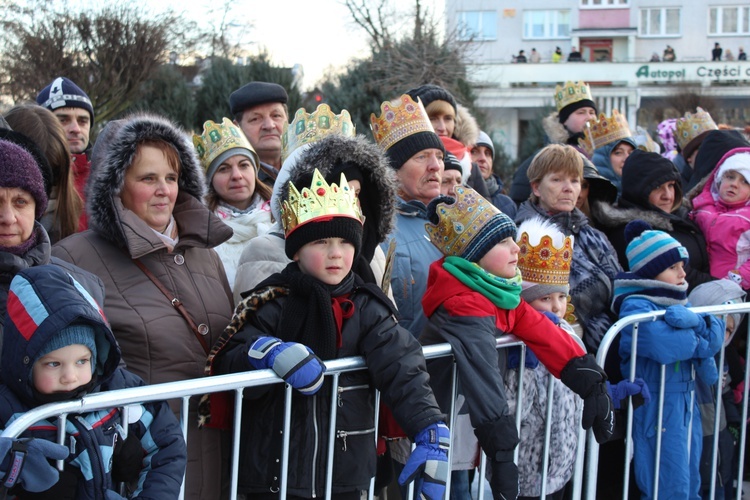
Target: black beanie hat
x,y
399,153
63,93
643,172
344,227
429,93
568,110
452,163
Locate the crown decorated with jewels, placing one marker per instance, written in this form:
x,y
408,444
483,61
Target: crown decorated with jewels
x,y
398,119
307,128
218,138
459,224
545,254
604,130
319,200
571,92
691,126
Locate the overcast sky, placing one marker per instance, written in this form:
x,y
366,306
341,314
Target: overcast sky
x,y
317,34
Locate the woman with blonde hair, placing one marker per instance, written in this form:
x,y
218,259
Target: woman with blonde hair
x,y
65,208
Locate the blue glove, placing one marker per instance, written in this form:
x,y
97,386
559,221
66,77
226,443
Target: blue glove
x,y
293,362
552,317
637,389
430,459
25,462
681,317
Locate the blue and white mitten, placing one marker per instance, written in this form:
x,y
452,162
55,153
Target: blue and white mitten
x,y
430,459
294,362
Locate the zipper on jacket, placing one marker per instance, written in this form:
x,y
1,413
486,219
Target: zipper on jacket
x,y
341,390
315,441
344,434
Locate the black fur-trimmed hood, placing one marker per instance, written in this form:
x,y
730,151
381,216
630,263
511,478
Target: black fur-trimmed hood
x,y
378,195
108,172
610,216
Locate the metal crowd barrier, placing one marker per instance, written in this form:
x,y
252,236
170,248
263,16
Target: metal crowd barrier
x,y
184,390
237,382
658,398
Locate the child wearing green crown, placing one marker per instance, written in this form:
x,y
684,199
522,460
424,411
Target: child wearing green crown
x,y
317,309
474,296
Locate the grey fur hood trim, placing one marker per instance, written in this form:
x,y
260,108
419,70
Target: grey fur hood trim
x,y
467,129
556,131
108,174
379,179
608,215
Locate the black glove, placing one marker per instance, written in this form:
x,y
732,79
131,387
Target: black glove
x,y
587,379
498,439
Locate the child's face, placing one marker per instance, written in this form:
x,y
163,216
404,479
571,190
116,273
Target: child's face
x,y
62,370
734,188
556,303
674,274
328,259
501,260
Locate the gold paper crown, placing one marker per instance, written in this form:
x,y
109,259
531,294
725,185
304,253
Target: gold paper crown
x,y
692,125
545,263
570,93
604,130
311,127
398,119
459,223
319,200
218,138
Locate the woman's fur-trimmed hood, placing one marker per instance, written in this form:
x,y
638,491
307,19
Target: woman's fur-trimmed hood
x,y
108,171
556,131
466,130
378,194
610,216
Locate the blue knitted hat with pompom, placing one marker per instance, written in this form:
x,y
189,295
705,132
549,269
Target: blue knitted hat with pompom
x,y
649,251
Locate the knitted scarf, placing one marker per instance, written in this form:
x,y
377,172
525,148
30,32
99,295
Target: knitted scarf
x,y
307,316
658,292
504,293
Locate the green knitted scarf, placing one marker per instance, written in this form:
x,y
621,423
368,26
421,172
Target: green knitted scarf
x,y
504,293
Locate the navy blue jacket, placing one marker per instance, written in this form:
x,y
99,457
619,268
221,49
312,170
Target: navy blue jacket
x,y
43,300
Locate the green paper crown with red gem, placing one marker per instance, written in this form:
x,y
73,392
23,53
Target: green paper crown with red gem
x,y
319,201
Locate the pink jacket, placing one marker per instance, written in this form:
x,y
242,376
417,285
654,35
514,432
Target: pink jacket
x,y
726,228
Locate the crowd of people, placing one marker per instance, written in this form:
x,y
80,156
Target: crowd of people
x,y
274,243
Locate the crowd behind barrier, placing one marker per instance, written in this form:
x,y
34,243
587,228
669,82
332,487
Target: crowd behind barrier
x,y
586,459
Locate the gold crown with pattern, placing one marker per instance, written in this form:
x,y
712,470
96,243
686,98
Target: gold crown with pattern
x,y
691,126
570,93
319,200
398,119
460,222
604,130
307,128
545,263
218,138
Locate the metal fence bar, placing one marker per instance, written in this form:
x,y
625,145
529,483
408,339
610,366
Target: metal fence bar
x,y
605,345
547,433
332,434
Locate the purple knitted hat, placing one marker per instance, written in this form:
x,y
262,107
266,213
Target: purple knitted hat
x,y
19,170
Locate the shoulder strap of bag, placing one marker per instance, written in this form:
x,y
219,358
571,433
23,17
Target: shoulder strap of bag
x,y
176,303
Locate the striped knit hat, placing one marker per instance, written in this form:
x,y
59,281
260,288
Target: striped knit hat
x,y
649,251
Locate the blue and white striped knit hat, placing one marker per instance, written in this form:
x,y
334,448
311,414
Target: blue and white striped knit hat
x,y
649,251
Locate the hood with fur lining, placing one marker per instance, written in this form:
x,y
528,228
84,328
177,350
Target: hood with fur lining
x,y
378,194
108,172
466,130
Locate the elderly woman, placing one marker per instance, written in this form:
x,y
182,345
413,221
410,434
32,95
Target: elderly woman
x,y
151,239
652,191
63,216
555,175
235,193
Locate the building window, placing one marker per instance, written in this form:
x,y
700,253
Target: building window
x,y
734,20
477,25
546,24
659,22
603,4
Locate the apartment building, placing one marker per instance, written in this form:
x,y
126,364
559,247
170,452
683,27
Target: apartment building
x,y
618,42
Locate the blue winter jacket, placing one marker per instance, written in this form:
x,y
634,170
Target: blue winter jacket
x,y
414,254
680,349
42,301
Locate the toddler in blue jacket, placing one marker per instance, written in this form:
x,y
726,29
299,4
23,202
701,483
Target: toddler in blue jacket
x,y
58,347
682,340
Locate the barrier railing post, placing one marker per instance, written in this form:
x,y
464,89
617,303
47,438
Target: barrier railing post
x,y
332,434
285,440
743,427
547,433
236,433
184,423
